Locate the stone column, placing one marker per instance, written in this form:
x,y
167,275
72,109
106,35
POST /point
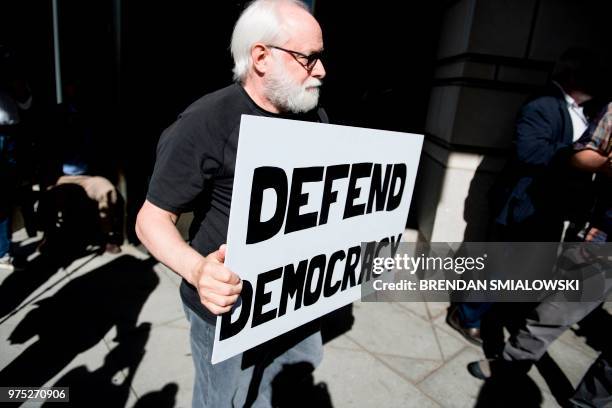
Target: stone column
x,y
492,55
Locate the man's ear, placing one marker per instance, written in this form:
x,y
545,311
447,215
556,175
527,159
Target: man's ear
x,y
260,54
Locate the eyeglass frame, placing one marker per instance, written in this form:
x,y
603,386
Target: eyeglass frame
x,y
295,54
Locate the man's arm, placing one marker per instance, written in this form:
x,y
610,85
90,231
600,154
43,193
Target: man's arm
x,y
217,286
592,161
588,160
534,135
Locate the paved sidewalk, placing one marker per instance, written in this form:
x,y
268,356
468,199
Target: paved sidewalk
x,y
395,355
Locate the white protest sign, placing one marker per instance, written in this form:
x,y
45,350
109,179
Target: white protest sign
x,y
305,196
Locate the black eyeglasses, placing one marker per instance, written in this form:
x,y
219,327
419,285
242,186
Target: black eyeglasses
x,y
307,61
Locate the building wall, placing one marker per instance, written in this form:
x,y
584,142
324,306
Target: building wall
x,y
491,56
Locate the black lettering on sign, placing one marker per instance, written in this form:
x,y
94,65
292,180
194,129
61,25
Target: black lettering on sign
x,y
385,193
379,188
316,264
399,176
395,247
332,173
383,243
262,297
328,288
293,285
366,262
304,283
297,199
229,328
352,260
358,170
265,178
372,251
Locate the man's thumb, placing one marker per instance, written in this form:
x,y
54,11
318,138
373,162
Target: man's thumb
x,y
220,253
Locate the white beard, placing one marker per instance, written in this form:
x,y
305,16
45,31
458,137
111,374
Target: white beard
x,y
286,95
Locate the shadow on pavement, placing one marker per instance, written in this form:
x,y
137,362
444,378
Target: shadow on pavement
x,y
509,391
164,398
70,223
337,323
76,318
558,383
591,329
30,276
109,385
294,386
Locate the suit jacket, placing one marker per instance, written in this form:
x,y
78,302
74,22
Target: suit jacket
x,y
538,180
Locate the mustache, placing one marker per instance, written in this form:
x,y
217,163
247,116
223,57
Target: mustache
x,y
313,83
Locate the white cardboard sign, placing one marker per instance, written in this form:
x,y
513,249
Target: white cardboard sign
x,y
305,196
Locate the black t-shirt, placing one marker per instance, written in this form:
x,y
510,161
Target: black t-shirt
x,y
194,169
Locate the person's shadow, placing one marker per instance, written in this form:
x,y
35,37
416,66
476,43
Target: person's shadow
x,y
31,275
70,221
164,398
591,329
337,323
78,316
110,384
510,392
294,386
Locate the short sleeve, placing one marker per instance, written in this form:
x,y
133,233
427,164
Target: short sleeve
x,y
187,158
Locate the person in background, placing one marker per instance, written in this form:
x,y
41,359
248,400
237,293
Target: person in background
x,y
74,163
549,319
539,191
109,204
15,96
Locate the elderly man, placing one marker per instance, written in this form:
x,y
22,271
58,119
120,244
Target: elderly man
x,y
276,46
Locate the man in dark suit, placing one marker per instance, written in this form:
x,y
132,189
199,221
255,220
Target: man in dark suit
x,y
591,263
538,191
544,191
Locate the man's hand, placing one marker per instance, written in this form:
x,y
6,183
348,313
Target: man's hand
x,y
217,286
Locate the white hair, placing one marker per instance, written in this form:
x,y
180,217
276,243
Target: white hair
x,y
259,22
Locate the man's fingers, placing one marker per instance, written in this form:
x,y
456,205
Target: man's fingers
x,y
218,286
214,309
222,274
220,300
224,289
217,304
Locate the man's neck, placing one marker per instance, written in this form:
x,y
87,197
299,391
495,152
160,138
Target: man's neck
x,y
256,91
578,96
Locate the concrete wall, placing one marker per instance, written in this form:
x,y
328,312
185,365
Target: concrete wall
x,y
492,55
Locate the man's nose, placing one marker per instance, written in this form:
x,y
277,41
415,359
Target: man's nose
x,y
318,71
